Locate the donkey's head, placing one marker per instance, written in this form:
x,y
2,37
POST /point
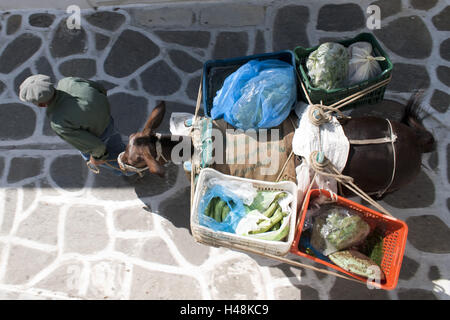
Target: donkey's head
x,y
141,150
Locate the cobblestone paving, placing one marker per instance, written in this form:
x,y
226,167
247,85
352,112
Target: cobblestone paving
x,y
66,233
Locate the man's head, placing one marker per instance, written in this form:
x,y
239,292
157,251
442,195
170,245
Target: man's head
x,y
37,89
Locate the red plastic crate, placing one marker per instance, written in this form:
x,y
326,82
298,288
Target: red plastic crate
x,y
394,240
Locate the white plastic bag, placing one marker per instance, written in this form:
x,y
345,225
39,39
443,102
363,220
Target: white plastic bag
x,y
243,190
178,123
362,65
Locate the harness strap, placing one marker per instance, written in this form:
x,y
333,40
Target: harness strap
x,y
321,165
126,167
159,152
94,169
393,138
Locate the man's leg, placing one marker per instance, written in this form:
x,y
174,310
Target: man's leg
x,y
115,146
86,156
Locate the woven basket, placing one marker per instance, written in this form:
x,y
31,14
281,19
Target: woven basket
x,y
224,239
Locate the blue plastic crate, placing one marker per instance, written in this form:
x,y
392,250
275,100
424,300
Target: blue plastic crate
x,y
216,71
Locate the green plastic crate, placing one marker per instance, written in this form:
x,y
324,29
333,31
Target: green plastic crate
x,y
329,97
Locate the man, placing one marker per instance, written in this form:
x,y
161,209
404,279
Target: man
x,y
79,113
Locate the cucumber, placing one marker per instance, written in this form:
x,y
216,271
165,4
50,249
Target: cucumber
x,y
209,210
274,204
225,211
218,210
271,210
276,226
267,224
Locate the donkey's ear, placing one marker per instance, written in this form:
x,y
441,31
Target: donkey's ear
x,y
155,118
153,165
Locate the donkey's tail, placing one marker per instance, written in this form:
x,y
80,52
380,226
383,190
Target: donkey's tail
x,y
414,114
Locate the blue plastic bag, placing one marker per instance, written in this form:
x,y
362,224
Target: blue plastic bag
x,y
234,216
260,94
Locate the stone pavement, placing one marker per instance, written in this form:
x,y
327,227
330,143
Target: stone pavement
x,y
68,234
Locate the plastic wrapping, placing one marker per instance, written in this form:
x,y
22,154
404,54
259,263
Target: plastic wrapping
x,y
178,123
328,66
337,228
235,194
237,209
260,94
362,65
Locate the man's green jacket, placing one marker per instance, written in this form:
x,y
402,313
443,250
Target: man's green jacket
x,y
79,113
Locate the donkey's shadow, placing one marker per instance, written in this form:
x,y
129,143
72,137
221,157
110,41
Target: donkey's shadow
x,y
152,190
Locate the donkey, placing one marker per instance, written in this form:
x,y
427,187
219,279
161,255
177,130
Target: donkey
x,y
382,168
377,168
148,149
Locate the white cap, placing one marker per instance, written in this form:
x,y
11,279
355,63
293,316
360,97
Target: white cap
x,y
36,89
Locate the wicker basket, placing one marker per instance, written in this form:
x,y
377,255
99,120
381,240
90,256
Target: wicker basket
x,y
224,239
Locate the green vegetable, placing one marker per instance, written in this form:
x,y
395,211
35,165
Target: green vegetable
x,y
274,205
264,199
271,210
273,236
328,66
210,207
357,263
276,226
218,210
335,229
373,246
279,196
265,225
225,211
310,252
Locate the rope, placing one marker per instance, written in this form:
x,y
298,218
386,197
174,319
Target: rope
x,y
95,169
318,116
290,155
321,113
124,167
159,152
193,165
321,165
393,138
289,261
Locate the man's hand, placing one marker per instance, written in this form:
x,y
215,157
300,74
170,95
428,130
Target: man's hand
x,y
96,162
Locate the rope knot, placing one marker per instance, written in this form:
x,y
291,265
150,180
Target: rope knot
x,y
318,161
317,115
321,165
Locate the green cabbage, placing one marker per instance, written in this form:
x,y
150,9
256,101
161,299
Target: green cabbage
x,y
328,66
